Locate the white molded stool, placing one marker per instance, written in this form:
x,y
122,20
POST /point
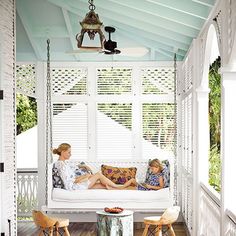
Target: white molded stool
x,y
168,218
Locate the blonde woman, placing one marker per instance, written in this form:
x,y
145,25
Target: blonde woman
x,y
85,181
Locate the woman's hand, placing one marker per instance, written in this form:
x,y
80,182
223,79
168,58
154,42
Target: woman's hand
x,y
82,178
149,186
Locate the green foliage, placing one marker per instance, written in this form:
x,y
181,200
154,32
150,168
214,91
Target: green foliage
x,y
215,126
215,168
158,124
26,113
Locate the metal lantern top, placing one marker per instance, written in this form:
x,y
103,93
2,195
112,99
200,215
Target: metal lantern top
x,y
91,25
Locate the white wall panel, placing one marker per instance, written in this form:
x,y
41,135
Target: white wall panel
x,y
7,78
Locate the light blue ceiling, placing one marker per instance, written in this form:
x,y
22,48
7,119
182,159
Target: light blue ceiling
x,y
162,26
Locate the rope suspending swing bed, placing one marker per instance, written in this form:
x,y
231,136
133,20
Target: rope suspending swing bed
x,y
61,200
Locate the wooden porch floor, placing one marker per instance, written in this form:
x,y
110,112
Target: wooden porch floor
x,y
86,229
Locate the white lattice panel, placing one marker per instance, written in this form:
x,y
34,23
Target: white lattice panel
x,y
26,79
69,81
157,80
114,80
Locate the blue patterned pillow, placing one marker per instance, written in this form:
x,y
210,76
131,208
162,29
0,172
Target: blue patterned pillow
x,y
166,173
56,179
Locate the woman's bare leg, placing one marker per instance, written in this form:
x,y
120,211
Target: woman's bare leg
x,y
98,186
104,181
130,182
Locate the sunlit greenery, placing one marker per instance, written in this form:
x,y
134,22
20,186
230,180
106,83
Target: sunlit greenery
x,y
26,113
215,126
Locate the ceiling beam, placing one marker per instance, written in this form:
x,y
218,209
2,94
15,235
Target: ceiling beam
x,y
147,35
55,31
152,45
208,3
142,20
176,11
145,15
28,29
184,6
70,31
131,26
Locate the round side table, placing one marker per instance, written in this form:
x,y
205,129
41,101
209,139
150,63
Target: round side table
x,y
120,224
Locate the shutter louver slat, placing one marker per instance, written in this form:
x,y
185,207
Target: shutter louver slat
x,y
114,131
114,81
70,125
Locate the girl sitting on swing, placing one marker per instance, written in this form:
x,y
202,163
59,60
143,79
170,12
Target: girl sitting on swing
x,y
84,181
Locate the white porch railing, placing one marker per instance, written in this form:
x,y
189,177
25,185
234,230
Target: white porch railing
x,y
230,224
27,187
209,213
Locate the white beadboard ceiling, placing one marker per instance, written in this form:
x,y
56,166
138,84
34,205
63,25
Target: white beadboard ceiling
x,y
162,26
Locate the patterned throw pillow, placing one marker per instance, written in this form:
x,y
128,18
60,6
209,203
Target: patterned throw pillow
x,y
166,173
118,175
56,179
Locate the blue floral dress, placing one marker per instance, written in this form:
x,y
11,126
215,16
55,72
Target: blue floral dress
x,y
151,179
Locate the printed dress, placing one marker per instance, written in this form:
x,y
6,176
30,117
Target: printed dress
x,y
151,179
67,173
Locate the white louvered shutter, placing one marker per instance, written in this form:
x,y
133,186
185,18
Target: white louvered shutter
x,y
114,119
70,119
114,131
70,125
158,119
158,130
114,81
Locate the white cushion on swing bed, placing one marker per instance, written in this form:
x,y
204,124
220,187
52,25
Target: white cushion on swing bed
x,y
101,198
109,195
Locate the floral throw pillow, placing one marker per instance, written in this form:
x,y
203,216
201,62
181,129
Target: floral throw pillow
x,y
56,179
118,175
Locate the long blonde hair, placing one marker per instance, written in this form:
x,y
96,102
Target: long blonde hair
x,y
156,163
61,147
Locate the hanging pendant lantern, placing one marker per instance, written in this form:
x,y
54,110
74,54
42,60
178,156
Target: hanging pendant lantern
x,y
91,25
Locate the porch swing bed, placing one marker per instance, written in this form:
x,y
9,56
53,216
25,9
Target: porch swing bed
x,y
94,199
61,200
